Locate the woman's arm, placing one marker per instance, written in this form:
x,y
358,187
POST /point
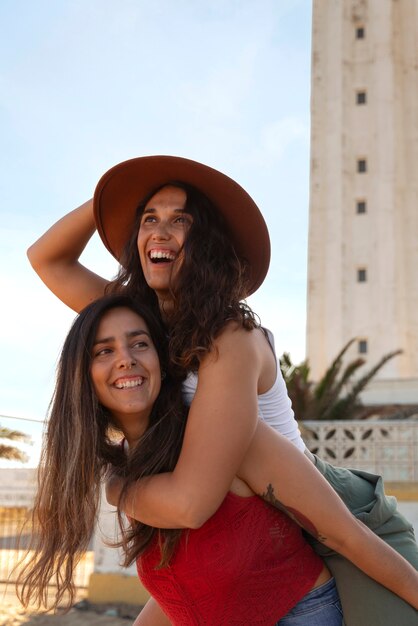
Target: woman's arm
x,y
152,615
54,257
282,475
221,423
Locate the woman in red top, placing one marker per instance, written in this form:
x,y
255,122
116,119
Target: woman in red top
x,y
193,244
249,563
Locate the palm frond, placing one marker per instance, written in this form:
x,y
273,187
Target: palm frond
x,y
10,453
327,380
13,435
364,380
324,400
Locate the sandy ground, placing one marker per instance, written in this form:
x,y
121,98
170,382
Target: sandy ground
x,y
11,614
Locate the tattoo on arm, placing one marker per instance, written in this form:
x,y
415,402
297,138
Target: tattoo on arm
x,y
295,515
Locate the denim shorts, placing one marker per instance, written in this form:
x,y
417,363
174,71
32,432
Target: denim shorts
x,y
320,607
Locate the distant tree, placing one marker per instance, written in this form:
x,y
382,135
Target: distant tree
x,y
336,396
11,453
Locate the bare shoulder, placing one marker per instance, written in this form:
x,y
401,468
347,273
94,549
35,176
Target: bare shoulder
x,y
237,350
237,339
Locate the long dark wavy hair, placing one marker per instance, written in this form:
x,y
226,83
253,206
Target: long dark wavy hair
x,y
209,289
77,448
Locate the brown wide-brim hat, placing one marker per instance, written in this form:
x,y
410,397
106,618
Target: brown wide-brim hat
x,y
121,189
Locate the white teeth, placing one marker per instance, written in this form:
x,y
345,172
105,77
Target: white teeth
x,y
162,254
126,384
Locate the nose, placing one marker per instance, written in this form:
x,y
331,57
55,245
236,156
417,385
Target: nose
x,y
161,231
126,360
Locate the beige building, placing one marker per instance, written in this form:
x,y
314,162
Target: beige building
x,y
17,487
363,233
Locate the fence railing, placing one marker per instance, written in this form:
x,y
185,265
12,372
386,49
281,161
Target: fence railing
x,y
14,544
386,447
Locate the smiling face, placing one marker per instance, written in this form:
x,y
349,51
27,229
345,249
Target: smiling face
x,y
161,236
125,369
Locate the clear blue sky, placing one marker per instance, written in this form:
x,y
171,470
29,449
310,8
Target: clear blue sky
x,y
88,83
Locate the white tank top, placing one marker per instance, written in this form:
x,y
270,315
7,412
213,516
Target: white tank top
x,y
274,406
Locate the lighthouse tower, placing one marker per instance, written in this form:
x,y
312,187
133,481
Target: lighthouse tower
x,y
363,232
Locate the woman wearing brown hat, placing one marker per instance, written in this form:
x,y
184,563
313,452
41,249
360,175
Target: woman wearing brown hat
x,y
192,244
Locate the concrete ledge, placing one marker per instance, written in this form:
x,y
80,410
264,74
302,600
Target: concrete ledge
x,y
403,491
116,588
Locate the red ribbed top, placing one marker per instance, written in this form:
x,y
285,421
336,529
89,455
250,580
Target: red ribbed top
x,y
248,564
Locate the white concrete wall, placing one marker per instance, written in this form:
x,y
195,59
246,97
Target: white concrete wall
x,y
107,560
17,487
410,510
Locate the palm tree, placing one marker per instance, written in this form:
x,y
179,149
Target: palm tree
x,y
337,393
11,453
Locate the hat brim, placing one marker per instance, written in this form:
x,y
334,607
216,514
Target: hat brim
x,y
121,189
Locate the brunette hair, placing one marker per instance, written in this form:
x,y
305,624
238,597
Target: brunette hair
x,y
209,289
76,450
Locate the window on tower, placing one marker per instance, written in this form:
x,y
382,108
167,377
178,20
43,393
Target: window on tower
x,y
360,32
361,97
362,275
361,166
362,346
361,206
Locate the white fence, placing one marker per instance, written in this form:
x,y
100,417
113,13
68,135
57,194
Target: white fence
x,y
386,447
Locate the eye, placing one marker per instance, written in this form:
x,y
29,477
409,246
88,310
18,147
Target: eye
x,y
102,352
148,219
183,219
140,344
